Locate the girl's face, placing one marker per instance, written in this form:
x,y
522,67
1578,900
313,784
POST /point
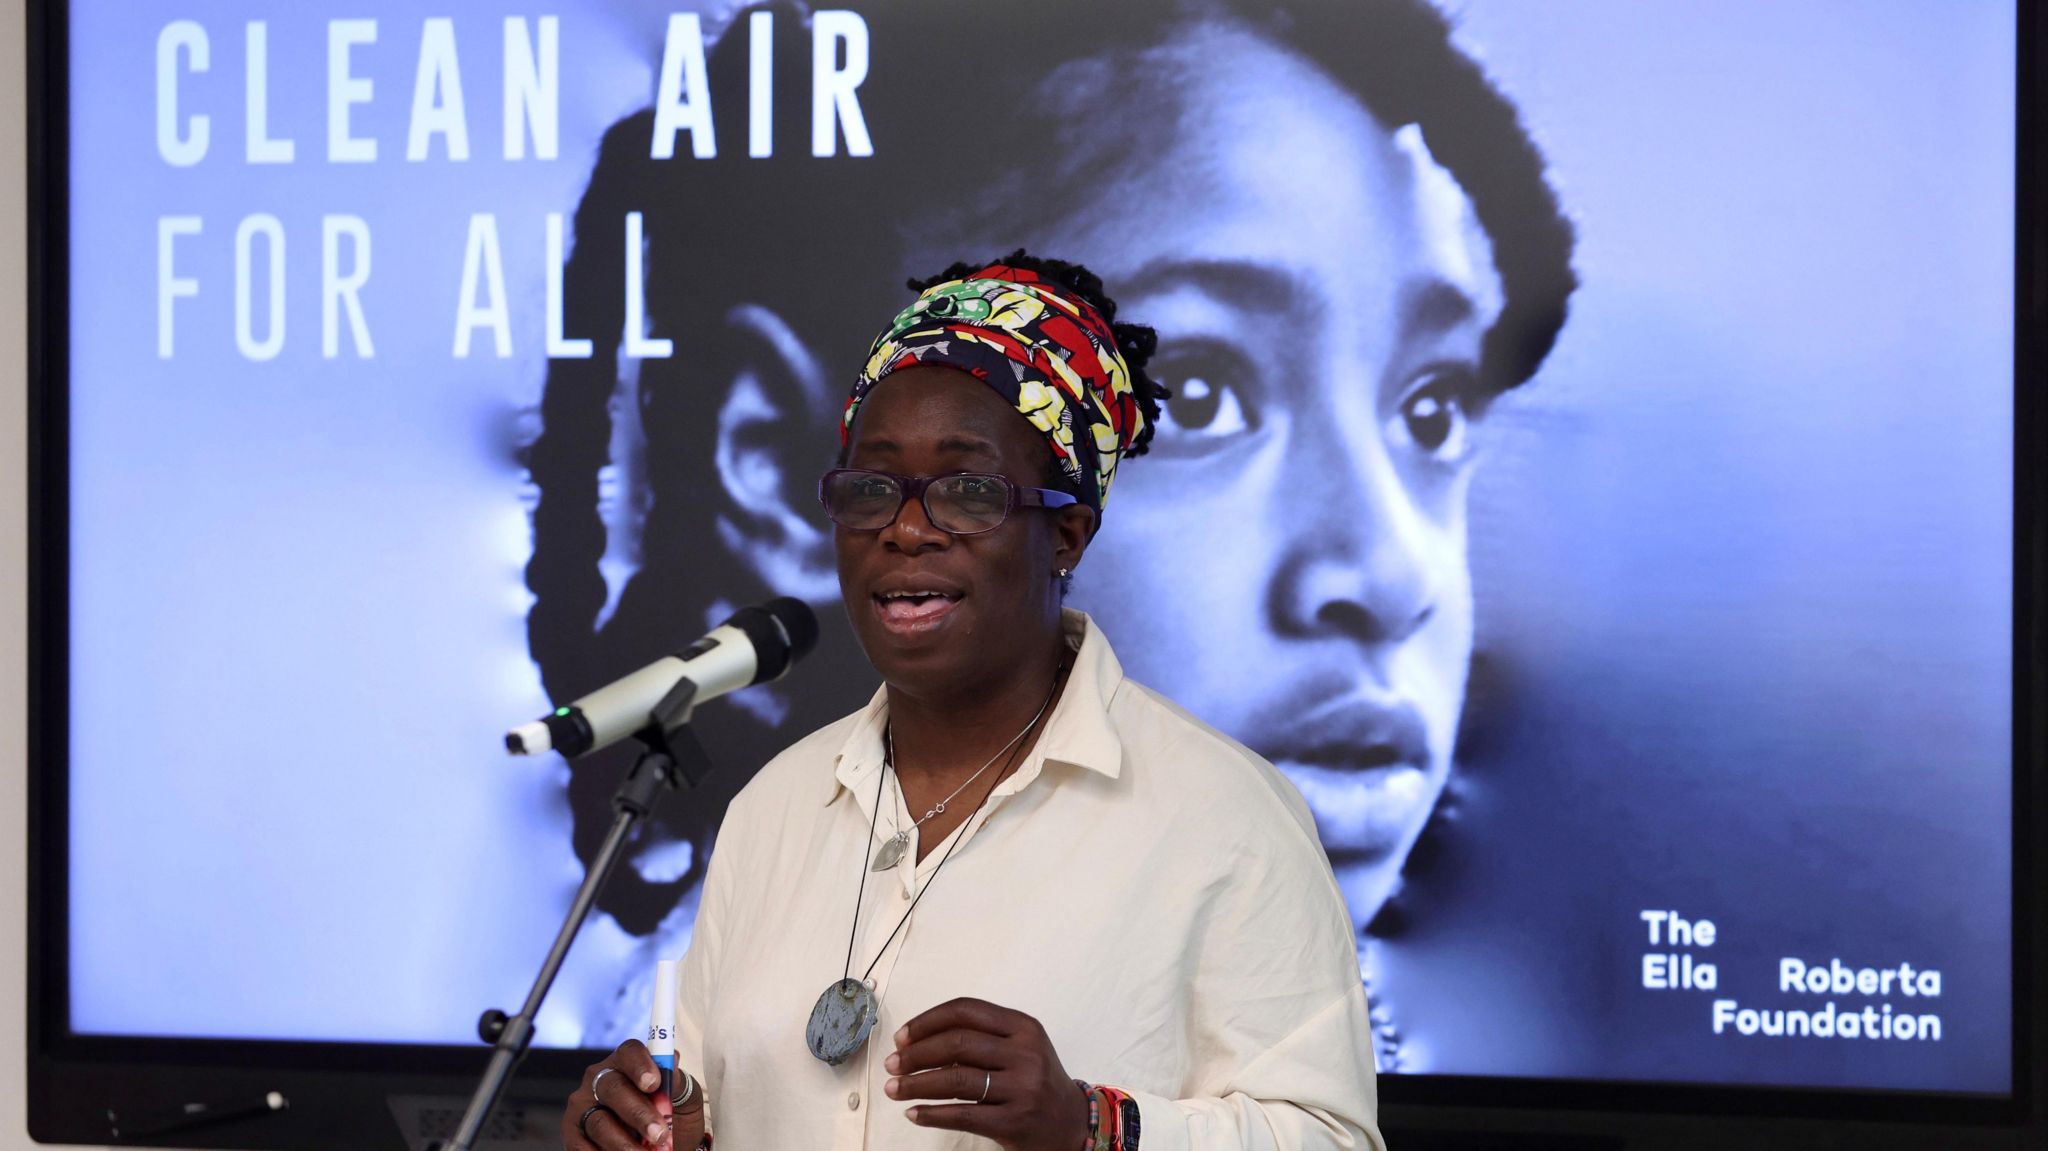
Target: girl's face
x,y
1289,561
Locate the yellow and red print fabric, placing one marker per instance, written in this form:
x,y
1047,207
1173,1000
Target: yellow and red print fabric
x,y
1048,352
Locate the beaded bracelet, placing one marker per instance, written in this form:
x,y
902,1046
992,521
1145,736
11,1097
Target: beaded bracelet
x,y
1112,1119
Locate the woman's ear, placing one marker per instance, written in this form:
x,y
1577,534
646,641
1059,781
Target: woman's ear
x,y
773,439
1073,527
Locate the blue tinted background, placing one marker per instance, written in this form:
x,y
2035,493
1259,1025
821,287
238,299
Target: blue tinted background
x,y
1749,574
1742,558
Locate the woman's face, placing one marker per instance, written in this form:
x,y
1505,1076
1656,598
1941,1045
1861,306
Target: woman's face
x,y
1289,561
937,612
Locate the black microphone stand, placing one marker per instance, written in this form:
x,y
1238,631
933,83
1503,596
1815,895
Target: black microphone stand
x,y
673,757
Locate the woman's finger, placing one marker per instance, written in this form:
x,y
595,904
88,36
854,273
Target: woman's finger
x,y
616,1084
988,1122
608,1133
968,1083
573,1138
632,1060
946,1048
972,1014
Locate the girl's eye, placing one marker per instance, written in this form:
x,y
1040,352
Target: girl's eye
x,y
1211,401
1437,415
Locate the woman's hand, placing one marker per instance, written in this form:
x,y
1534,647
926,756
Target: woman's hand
x,y
1002,1063
633,1113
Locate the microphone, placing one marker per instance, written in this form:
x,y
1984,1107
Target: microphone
x,y
756,645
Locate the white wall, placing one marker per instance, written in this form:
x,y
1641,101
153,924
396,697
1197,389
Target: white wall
x,y
13,570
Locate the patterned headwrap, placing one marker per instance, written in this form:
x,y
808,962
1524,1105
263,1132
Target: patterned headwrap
x,y
1045,350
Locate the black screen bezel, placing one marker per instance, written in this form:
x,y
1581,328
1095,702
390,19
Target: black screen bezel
x,y
338,1089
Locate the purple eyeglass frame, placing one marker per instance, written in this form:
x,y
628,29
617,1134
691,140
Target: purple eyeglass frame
x,y
915,487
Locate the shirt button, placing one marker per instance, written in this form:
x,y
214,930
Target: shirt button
x,y
853,1101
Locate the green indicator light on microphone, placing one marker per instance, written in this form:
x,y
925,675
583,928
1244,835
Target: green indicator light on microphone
x,y
561,711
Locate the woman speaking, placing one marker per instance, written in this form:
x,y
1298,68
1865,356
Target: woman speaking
x,y
1017,899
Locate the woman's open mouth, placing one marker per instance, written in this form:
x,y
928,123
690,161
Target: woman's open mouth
x,y
910,611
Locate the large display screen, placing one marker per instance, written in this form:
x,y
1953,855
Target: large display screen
x,y
1590,479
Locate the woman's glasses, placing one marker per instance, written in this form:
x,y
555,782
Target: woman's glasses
x,y
962,504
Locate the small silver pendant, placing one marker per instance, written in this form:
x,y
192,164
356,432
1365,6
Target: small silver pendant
x,y
841,1021
891,852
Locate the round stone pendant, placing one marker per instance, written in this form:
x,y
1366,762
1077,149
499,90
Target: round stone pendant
x,y
841,1021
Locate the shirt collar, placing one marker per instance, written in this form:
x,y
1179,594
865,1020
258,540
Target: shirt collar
x,y
1079,732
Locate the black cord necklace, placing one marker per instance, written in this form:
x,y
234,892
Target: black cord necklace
x,y
846,1011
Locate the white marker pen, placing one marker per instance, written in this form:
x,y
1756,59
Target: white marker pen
x,y
661,1025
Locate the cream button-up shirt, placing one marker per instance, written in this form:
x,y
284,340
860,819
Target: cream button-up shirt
x,y
1152,892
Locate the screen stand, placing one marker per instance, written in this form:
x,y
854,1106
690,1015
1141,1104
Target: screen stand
x,y
673,758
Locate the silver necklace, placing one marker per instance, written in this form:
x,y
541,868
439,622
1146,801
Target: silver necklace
x,y
891,852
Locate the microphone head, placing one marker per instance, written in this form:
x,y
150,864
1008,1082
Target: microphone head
x,y
782,631
798,622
